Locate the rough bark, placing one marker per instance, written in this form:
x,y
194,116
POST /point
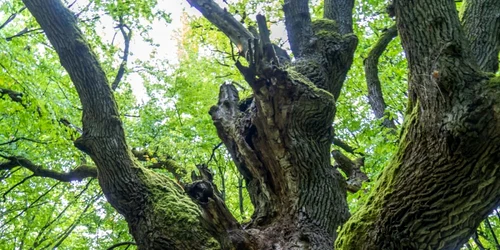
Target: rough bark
x,y
340,11
445,178
481,23
280,139
298,26
375,96
158,212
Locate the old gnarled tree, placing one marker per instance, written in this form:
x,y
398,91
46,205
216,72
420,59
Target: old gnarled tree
x,y
442,183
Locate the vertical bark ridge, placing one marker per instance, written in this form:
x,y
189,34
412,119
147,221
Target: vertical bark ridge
x,y
481,23
298,25
341,12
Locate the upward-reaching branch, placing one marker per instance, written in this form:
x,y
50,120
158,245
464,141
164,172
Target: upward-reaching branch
x,y
127,35
298,25
225,22
481,22
102,129
375,96
150,202
340,11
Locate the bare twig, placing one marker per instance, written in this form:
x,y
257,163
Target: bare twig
x,y
476,239
240,197
23,32
213,153
32,205
11,18
71,4
16,185
126,243
488,224
39,239
77,15
70,229
127,35
21,138
79,173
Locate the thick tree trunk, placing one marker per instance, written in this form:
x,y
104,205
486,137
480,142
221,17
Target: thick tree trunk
x,y
446,176
280,138
155,207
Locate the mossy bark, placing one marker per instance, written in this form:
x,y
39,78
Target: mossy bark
x,y
445,177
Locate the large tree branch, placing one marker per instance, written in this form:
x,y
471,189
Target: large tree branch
x,y
341,12
145,198
102,129
77,174
447,162
375,96
481,23
225,22
298,25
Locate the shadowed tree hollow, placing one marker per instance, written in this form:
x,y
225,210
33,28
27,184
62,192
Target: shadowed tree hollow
x,y
441,183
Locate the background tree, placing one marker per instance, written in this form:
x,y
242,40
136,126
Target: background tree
x,y
440,184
